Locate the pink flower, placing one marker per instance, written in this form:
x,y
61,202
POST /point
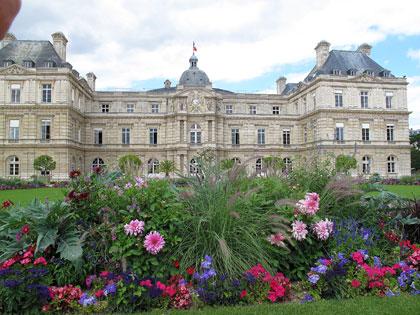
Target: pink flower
x,y
276,239
309,205
299,230
8,263
154,242
25,229
323,229
135,227
128,185
40,260
355,283
146,283
25,261
243,294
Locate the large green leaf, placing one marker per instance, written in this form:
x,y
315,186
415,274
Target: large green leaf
x,y
46,237
70,248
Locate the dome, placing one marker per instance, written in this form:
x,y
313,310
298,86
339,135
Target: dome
x,y
194,76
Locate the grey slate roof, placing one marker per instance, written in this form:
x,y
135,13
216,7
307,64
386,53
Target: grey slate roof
x,y
194,76
173,89
37,51
290,88
343,61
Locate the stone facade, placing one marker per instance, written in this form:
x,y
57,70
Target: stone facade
x,y
321,116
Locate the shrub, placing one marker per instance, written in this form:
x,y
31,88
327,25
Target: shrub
x,y
129,164
44,163
345,163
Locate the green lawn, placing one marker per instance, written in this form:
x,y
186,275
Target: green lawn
x,y
25,196
407,191
400,305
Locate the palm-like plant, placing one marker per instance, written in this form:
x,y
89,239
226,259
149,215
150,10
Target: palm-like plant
x,y
167,167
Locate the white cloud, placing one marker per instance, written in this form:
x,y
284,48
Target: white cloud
x,y
413,101
414,54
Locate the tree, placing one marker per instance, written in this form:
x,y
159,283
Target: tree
x,y
129,164
45,164
227,164
415,151
167,167
344,163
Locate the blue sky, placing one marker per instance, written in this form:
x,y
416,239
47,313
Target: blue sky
x,y
243,45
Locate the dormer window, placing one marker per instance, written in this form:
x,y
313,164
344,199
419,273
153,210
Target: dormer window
x,y
369,72
49,64
28,63
7,63
385,73
352,72
336,72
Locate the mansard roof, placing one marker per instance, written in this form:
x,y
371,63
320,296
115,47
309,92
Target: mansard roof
x,y
341,61
37,51
173,89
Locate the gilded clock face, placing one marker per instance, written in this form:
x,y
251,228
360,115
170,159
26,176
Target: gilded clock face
x,y
196,101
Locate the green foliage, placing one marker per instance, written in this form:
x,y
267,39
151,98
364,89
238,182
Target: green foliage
x,y
227,164
51,225
129,164
273,165
44,163
167,167
226,223
345,163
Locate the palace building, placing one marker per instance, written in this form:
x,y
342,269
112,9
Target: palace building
x,y
347,104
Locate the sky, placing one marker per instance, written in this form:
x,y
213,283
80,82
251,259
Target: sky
x,y
243,46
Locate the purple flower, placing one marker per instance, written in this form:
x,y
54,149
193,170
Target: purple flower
x,y
307,298
89,280
377,261
110,289
313,278
319,269
10,283
87,300
206,264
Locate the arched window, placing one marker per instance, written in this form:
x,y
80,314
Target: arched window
x,y
195,134
13,162
236,161
98,162
287,164
366,164
258,166
73,164
391,164
153,166
193,167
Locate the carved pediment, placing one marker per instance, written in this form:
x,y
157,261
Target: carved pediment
x,y
16,69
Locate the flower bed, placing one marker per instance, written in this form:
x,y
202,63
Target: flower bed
x,y
126,244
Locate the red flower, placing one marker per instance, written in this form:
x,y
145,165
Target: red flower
x,y
83,196
146,283
74,174
355,283
357,257
40,260
391,236
25,261
405,243
97,169
25,229
99,293
243,294
176,264
190,270
7,203
104,274
8,263
375,284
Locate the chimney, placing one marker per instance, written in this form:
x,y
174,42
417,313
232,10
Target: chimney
x,y
60,43
365,48
167,84
322,51
8,38
91,79
281,84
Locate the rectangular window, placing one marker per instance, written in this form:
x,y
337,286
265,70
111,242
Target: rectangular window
x,y
276,110
338,95
364,99
388,99
28,64
105,108
339,132
15,93
125,135
155,108
130,108
365,132
46,93
45,130
229,109
252,109
286,136
235,136
261,136
305,134
14,130
153,136
98,136
390,132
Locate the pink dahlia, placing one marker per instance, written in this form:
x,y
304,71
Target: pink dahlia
x,y
276,239
323,229
154,242
309,205
299,230
135,227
